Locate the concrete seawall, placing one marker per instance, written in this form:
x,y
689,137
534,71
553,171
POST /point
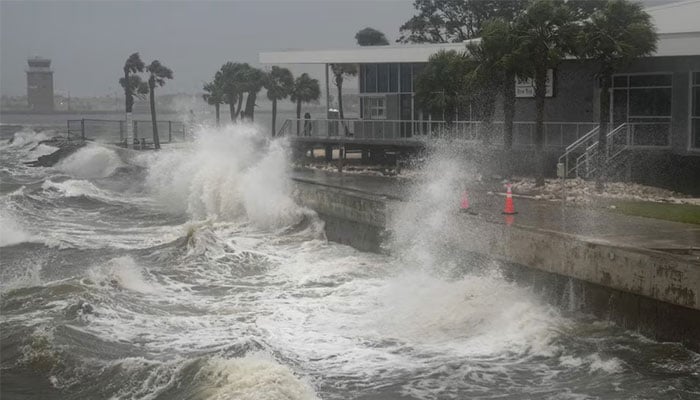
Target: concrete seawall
x,y
653,292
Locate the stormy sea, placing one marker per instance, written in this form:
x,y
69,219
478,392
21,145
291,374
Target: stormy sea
x,y
191,273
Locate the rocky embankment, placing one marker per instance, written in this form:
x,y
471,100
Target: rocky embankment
x,y
65,148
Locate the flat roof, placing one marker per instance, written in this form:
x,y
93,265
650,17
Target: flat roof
x,y
359,55
678,26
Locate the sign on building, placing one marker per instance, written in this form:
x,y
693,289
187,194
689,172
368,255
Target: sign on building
x,y
526,87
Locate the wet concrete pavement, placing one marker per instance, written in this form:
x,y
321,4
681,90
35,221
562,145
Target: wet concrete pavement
x,y
593,224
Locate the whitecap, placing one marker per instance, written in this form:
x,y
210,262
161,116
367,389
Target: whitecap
x,y
91,162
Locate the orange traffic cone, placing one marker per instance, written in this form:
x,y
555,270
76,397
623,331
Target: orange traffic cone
x,y
464,203
509,208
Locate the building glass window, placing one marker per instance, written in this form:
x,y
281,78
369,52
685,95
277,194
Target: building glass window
x,y
406,78
373,108
645,102
361,78
695,112
370,78
416,70
382,78
394,78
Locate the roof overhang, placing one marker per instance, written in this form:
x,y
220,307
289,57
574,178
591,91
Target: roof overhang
x,y
678,44
361,55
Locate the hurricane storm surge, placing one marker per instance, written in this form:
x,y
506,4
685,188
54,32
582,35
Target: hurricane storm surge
x,y
191,273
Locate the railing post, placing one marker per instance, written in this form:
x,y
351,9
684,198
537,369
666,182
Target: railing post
x,y
82,129
629,136
121,131
170,131
561,135
136,131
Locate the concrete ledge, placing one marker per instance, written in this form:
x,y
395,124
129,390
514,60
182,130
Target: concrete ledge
x,y
654,292
654,274
344,204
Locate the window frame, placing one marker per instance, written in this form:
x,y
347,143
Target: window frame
x,y
692,118
369,107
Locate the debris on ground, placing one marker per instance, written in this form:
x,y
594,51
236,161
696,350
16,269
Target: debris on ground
x,y
582,191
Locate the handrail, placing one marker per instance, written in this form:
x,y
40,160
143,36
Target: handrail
x,y
557,134
592,150
583,138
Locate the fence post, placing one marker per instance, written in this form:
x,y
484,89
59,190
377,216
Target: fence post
x,y
121,131
68,130
82,129
170,131
136,131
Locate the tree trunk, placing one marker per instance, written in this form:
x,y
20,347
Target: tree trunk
x,y
540,92
128,107
156,140
216,107
250,106
129,131
232,110
298,117
508,110
240,103
603,131
339,84
274,116
128,97
489,99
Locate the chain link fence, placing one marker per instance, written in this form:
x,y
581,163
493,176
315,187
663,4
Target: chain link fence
x,y
114,131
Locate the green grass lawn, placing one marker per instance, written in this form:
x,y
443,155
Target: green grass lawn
x,y
672,212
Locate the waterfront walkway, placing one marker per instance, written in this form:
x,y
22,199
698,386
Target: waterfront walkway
x,y
591,224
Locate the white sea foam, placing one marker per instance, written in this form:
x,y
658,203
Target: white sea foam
x,y
122,272
254,377
27,137
75,188
421,225
41,150
228,173
91,162
11,231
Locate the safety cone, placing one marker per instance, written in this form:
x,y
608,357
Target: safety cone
x,y
464,203
509,208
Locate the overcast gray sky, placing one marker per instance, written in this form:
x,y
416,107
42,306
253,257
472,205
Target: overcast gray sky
x,y
88,41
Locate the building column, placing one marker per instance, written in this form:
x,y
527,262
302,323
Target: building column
x,y
328,91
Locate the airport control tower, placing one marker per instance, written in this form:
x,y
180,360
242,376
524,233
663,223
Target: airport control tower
x,y
40,84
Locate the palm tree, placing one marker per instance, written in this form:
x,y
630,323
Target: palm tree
x,y
279,83
546,32
613,37
215,94
483,82
252,81
340,71
231,81
133,86
158,74
305,90
497,48
443,85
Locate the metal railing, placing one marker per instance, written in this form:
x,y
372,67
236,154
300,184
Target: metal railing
x,y
114,131
556,134
626,136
